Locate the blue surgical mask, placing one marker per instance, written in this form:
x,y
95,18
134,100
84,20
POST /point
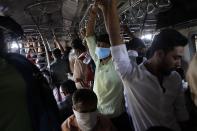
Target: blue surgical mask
x,y
102,52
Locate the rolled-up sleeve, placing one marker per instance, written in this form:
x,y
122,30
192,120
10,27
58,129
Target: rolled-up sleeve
x,y
91,42
121,61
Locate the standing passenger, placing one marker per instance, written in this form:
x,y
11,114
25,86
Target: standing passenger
x,y
27,102
107,84
154,91
133,46
82,75
58,72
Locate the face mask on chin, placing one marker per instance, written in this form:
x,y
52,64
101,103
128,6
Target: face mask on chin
x,y
86,121
102,52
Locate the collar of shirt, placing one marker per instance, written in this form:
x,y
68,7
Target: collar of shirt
x,y
132,53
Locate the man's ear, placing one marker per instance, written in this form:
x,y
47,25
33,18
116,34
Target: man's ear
x,y
160,54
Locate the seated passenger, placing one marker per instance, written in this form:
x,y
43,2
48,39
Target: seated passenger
x,y
85,116
67,88
153,90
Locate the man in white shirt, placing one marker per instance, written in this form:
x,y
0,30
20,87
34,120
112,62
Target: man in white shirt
x,y
152,90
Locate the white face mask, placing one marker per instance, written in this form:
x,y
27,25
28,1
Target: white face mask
x,y
86,121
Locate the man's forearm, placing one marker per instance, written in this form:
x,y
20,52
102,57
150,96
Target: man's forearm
x,y
91,22
112,24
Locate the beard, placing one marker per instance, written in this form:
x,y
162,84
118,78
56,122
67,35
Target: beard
x,y
167,72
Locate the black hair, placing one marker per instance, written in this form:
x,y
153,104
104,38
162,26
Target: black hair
x,y
67,52
84,96
68,86
166,40
135,43
77,44
57,53
103,38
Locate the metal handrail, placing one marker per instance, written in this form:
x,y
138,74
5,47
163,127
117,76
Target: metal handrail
x,y
85,15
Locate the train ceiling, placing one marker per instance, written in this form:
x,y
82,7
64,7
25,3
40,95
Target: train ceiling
x,y
65,16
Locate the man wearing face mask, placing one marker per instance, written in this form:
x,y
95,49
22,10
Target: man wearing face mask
x,y
83,74
155,98
85,116
107,84
133,47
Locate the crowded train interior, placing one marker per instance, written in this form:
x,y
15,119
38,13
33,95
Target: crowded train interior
x,y
98,65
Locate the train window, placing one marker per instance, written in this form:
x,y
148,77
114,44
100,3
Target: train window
x,y
195,42
192,43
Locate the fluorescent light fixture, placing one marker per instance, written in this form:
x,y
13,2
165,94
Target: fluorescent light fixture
x,y
14,45
146,37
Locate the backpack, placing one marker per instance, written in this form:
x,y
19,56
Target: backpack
x,y
42,106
